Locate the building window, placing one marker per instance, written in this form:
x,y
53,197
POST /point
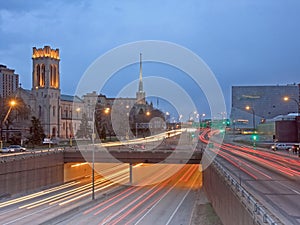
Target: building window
x,y
54,109
42,81
38,75
55,80
51,75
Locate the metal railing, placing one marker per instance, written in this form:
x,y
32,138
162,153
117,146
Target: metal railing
x,y
259,213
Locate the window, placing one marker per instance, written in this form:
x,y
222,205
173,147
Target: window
x,y
54,109
51,75
38,75
42,81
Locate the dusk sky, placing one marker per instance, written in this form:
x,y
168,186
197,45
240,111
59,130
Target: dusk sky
x,y
244,42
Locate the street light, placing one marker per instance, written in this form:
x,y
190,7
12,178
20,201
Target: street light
x,y
286,98
106,111
191,118
93,157
253,113
12,103
200,120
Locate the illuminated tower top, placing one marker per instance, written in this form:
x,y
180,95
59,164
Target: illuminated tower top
x,y
45,68
45,52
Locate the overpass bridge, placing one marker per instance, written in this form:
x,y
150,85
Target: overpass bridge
x,y
125,155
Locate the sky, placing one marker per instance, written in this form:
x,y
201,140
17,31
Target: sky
x,y
243,42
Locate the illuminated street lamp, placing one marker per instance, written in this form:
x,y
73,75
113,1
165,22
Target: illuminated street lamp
x,y
253,113
191,118
200,120
286,98
107,110
93,157
12,103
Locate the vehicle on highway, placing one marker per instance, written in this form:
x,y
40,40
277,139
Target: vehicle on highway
x,y
17,148
281,146
6,150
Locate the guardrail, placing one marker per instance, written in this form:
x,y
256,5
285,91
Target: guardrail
x,y
259,213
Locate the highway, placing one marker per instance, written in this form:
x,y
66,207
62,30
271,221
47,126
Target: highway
x,y
161,197
273,178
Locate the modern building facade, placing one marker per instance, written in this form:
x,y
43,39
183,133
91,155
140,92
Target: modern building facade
x,y
9,81
252,105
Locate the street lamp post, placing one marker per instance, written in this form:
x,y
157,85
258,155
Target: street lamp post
x,y
106,111
200,120
12,103
286,98
93,157
253,114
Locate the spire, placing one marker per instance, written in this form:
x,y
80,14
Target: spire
x,y
140,94
141,75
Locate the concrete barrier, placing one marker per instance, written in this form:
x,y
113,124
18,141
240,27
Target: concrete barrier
x,y
232,203
29,172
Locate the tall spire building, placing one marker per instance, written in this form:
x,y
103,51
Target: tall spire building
x,y
140,94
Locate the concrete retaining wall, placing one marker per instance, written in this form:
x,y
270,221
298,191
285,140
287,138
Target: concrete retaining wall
x,y
225,203
30,172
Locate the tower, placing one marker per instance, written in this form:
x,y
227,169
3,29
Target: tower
x,y
140,94
45,88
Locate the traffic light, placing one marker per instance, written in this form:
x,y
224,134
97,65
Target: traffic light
x,y
227,123
254,137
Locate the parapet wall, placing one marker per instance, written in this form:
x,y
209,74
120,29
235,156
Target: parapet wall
x,y
233,204
225,203
28,172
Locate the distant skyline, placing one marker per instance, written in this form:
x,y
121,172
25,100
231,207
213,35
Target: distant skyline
x,y
246,42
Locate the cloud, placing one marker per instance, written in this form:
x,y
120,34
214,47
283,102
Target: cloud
x,y
253,39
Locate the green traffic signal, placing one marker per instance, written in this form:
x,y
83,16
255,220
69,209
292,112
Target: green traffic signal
x,y
254,137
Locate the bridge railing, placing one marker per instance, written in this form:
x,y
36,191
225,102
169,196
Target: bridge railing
x,y
260,214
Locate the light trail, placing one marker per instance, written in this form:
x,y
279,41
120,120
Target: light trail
x,y
151,205
158,186
126,195
138,203
38,194
73,193
265,159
